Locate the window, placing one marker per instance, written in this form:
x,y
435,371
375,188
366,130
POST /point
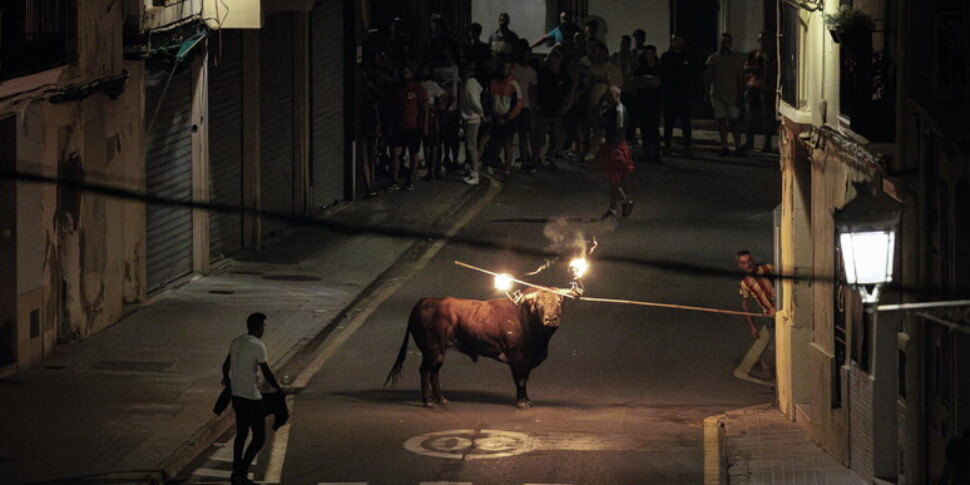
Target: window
x,y
36,35
788,56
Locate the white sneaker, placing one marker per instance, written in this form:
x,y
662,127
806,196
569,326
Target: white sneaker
x,y
471,178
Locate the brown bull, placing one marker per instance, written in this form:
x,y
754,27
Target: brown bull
x,y
515,334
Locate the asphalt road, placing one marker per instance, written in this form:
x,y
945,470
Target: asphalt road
x,y
621,398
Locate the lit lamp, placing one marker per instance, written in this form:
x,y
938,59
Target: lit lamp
x,y
867,227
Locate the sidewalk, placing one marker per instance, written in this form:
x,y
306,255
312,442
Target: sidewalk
x,y
761,446
132,404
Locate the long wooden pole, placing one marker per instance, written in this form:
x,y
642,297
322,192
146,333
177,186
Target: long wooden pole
x,y
668,305
611,300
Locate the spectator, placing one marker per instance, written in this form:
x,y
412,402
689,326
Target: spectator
x,y
761,73
526,76
598,78
555,96
505,103
565,29
371,119
475,51
502,41
677,78
647,102
625,58
723,84
438,98
591,30
639,43
440,39
445,73
399,42
614,155
409,104
472,114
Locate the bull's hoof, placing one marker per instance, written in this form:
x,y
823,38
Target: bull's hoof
x,y
524,404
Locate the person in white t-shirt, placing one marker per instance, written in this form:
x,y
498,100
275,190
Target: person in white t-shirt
x,y
241,373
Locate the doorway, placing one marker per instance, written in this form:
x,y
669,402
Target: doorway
x,y
8,242
696,21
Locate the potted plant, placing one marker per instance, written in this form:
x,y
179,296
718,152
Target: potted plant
x,y
847,23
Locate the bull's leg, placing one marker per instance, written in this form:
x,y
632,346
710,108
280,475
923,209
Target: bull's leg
x,y
426,366
430,383
436,381
520,373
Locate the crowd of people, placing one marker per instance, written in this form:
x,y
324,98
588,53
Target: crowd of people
x,y
564,105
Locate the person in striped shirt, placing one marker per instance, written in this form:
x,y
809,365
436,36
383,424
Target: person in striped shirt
x,y
757,282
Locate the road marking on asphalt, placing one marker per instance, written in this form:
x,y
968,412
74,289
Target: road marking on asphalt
x,y
476,444
471,444
274,466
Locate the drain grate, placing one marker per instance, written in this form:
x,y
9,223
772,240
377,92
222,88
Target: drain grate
x,y
291,277
133,365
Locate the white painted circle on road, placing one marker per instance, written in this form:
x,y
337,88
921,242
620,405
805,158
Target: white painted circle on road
x,y
471,444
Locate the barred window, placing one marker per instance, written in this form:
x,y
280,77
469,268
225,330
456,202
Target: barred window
x,y
788,55
36,35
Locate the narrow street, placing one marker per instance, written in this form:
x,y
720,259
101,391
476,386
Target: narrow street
x,y
625,390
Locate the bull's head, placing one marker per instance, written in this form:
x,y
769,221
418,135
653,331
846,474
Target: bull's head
x,y
545,306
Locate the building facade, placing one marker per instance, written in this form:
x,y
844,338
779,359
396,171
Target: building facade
x,y
884,108
144,141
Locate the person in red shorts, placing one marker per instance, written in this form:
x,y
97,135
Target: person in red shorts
x,y
613,154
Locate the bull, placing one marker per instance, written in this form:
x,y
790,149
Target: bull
x,y
516,333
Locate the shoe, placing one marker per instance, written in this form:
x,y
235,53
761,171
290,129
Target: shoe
x,y
490,170
609,213
529,168
627,207
395,186
372,193
471,178
409,186
725,152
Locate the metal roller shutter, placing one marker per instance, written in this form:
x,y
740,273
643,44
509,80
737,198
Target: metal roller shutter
x,y
276,118
225,142
168,174
327,93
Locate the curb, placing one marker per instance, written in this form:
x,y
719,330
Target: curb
x,y
301,355
715,450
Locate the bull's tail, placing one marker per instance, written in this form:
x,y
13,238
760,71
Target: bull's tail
x,y
401,355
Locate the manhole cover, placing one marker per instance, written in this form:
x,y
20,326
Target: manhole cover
x,y
471,444
291,277
133,365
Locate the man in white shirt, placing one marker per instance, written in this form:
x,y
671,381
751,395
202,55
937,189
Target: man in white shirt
x,y
241,372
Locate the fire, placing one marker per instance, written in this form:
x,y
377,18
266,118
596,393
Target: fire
x,y
578,267
503,282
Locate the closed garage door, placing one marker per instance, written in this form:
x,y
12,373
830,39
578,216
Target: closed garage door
x,y
168,174
225,142
276,118
327,123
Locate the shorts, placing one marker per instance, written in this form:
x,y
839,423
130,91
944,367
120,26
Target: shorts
x,y
616,160
406,137
723,109
523,122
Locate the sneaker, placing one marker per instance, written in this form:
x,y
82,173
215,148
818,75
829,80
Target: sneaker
x,y
409,186
395,186
609,213
471,178
589,157
490,170
529,168
627,208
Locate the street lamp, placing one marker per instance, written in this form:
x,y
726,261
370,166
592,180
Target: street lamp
x,y
867,227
